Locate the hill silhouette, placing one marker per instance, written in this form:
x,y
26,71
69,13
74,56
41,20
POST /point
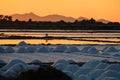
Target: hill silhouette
x,y
103,21
82,18
55,22
34,17
53,18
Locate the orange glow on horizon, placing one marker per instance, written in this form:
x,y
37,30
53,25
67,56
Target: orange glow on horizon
x,y
107,9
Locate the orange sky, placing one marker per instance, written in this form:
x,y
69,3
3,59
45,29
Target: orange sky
x,y
108,9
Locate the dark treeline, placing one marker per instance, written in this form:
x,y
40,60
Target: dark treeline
x,y
91,24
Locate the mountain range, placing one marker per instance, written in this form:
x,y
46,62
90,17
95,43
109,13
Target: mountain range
x,y
53,18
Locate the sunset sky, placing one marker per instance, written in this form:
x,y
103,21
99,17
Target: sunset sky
x,y
107,9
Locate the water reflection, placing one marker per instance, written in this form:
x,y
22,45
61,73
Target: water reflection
x,y
46,41
61,37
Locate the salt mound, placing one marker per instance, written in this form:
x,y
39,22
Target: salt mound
x,y
82,71
60,66
83,77
116,55
2,62
93,50
95,73
72,68
71,49
39,45
2,50
99,47
61,61
71,61
110,73
104,49
60,48
9,74
9,49
22,43
92,63
85,49
18,68
43,50
114,67
102,66
32,67
10,64
105,60
36,61
110,78
31,49
111,49
106,54
70,74
22,50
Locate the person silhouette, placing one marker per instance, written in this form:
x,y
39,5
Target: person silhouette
x,y
46,35
46,38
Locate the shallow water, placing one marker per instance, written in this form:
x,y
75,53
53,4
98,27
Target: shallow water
x,y
55,41
79,37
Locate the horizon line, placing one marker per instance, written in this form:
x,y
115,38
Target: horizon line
x,y
62,15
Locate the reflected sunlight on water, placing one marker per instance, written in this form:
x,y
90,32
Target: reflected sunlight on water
x,y
80,37
55,41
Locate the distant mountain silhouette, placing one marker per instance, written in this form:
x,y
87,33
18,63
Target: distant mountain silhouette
x,y
103,21
34,17
53,18
82,18
26,17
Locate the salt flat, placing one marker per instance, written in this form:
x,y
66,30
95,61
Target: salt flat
x,y
94,56
56,52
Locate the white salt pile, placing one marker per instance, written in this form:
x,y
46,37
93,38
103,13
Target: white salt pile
x,y
109,73
111,49
83,77
9,49
31,49
99,69
92,63
92,70
9,74
15,67
10,64
72,68
60,66
60,48
95,73
32,67
36,61
22,43
43,49
82,71
2,62
114,67
103,50
71,61
2,50
61,61
116,55
85,49
102,65
93,50
72,49
22,50
70,74
18,68
110,78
